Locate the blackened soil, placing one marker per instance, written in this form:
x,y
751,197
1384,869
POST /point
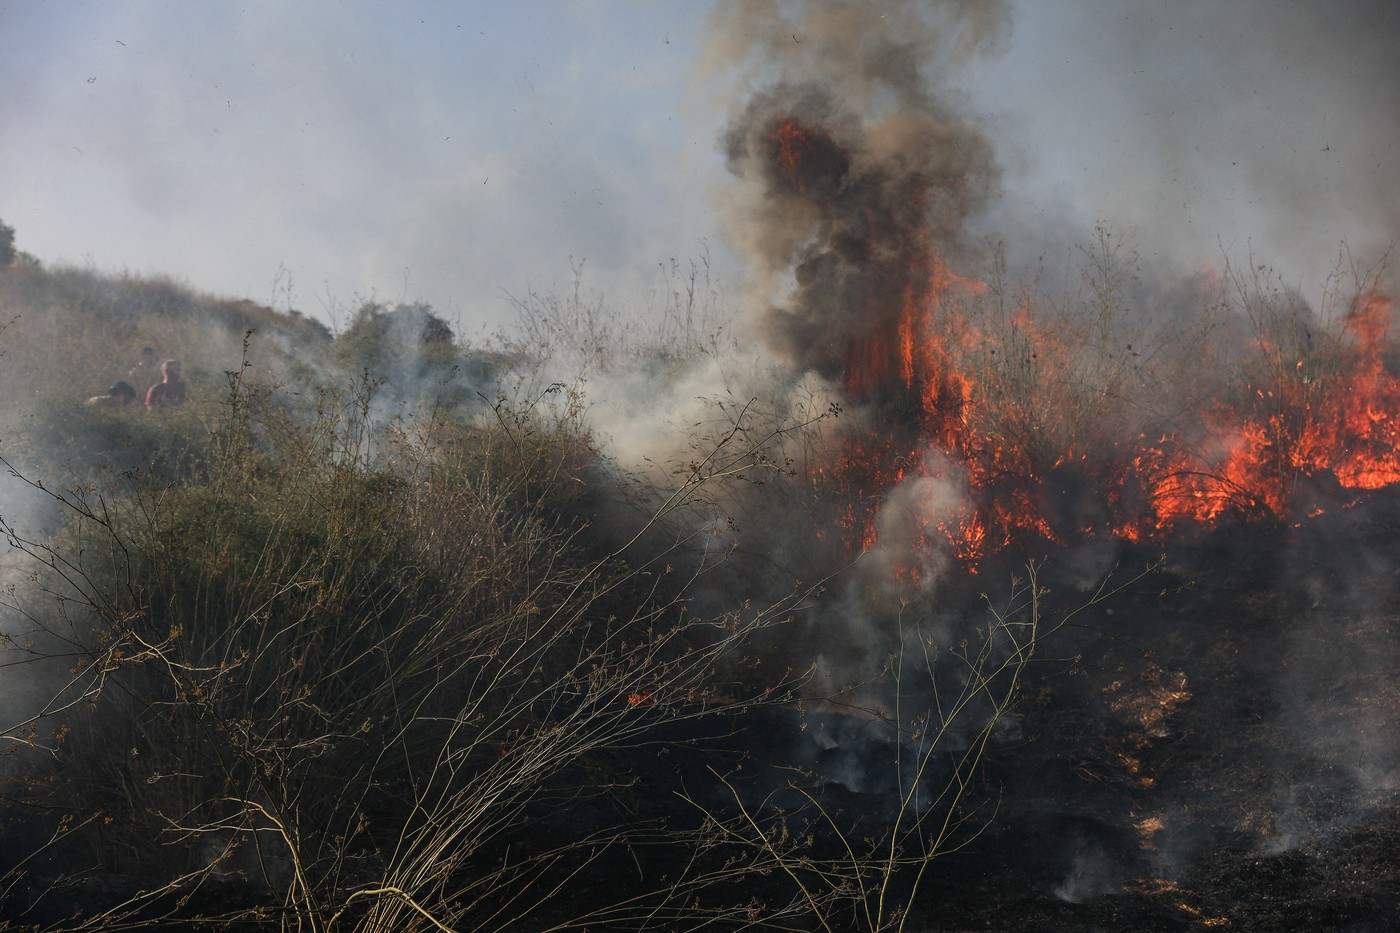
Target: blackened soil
x,y
1223,755
1215,746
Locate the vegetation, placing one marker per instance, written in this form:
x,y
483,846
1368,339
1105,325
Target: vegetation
x,y
373,634
382,630
7,244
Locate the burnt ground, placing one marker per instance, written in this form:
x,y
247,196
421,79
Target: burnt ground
x,y
1224,755
1214,747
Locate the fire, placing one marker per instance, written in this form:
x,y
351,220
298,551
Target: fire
x,y
1336,423
1364,438
1249,459
1034,414
804,156
793,144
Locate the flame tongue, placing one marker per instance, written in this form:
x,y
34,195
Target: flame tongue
x,y
807,158
1364,438
1328,414
1037,419
1320,418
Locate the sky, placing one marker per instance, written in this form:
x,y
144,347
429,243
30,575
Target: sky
x,y
315,154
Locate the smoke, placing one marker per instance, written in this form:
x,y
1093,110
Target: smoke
x,y
1249,127
867,171
441,154
852,168
29,514
855,174
1093,873
1318,159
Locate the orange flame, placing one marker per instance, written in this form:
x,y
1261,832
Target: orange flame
x,y
1001,409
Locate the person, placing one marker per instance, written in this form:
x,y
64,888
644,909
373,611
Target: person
x,y
118,396
146,366
169,391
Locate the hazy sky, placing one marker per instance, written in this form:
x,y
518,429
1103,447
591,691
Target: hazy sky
x,y
309,153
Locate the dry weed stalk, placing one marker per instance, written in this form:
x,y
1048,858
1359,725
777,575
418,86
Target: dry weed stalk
x,y
330,682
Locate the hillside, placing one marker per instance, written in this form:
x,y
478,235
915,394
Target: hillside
x,y
385,631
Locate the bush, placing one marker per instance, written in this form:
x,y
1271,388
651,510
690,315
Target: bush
x,y
7,244
374,654
322,678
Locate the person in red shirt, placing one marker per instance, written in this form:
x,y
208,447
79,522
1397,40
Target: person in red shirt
x,y
169,391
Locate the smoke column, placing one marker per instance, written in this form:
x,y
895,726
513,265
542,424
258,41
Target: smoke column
x,y
855,177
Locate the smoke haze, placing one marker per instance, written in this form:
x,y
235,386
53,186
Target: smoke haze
x,y
1199,126
323,153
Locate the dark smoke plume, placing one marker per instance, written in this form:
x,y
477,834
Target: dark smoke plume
x,y
857,175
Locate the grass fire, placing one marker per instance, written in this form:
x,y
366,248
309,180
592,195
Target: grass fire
x,y
897,583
